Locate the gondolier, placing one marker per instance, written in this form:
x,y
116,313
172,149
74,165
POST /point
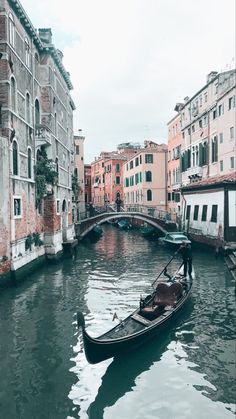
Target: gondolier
x,y
186,252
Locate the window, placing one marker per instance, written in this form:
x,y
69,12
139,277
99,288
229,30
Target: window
x,y
149,195
57,167
17,207
196,211
193,128
27,53
188,212
13,94
221,165
140,177
221,137
55,124
77,149
136,161
232,162
205,97
11,30
136,178
36,65
231,102
15,157
29,163
140,159
231,133
131,165
117,167
214,113
200,123
189,131
58,206
27,108
204,212
117,180
148,176
214,149
214,213
221,109
148,158
177,197
127,182
169,196
36,112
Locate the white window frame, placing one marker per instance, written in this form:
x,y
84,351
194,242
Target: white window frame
x,y
19,216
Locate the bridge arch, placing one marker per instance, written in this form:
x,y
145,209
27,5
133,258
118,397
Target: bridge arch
x,y
85,226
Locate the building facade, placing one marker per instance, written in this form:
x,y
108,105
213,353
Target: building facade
x,y
36,141
145,179
78,187
173,170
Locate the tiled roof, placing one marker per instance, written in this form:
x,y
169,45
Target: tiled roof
x,y
211,181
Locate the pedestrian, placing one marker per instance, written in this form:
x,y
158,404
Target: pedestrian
x,y
186,252
118,204
91,209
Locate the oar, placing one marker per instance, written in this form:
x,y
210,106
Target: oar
x,y
164,268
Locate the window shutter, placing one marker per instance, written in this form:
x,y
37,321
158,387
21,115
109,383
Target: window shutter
x,y
200,155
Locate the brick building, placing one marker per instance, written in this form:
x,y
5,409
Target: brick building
x,y
36,141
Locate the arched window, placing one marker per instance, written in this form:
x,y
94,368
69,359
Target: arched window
x,y
36,112
15,157
11,30
149,195
29,163
27,52
13,94
27,108
148,176
64,205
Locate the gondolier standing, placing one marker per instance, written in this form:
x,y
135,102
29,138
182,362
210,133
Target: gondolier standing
x,y
186,252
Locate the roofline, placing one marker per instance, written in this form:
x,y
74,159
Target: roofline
x,y
30,29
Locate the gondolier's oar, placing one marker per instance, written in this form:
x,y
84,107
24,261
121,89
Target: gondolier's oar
x,y
163,270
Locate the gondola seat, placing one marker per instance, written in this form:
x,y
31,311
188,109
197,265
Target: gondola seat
x,y
165,296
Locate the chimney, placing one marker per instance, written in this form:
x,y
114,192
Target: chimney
x,y
211,76
45,34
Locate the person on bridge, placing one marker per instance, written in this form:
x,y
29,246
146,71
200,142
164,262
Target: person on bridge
x,y
118,204
186,252
91,209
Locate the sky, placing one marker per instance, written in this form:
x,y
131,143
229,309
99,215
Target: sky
x,y
130,61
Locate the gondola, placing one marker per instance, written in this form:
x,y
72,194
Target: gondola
x,y
155,312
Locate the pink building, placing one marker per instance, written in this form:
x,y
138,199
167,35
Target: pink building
x,y
174,152
145,179
78,178
208,129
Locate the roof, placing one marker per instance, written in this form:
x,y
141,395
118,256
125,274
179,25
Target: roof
x,y
229,178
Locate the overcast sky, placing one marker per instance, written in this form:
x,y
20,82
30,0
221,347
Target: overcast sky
x,y
130,61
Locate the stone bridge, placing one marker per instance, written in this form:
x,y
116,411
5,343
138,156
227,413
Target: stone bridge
x,y
83,227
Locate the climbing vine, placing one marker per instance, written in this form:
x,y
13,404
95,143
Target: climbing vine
x,y
76,188
44,174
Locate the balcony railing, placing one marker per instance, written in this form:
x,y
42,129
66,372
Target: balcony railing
x,y
195,171
42,135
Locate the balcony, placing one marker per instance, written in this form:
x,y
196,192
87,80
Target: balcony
x,y
176,186
96,184
42,135
194,172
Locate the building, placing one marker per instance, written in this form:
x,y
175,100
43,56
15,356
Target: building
x,y
145,179
36,142
208,159
210,209
87,183
208,129
78,186
173,166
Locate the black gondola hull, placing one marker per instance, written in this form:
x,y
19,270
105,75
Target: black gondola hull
x,y
103,347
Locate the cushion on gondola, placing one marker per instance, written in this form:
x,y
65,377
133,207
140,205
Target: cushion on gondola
x,y
165,296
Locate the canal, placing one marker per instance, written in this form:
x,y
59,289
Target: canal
x,y
187,373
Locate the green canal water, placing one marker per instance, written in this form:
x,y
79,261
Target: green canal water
x,y
187,373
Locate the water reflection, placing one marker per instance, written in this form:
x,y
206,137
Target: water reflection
x,y
187,373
